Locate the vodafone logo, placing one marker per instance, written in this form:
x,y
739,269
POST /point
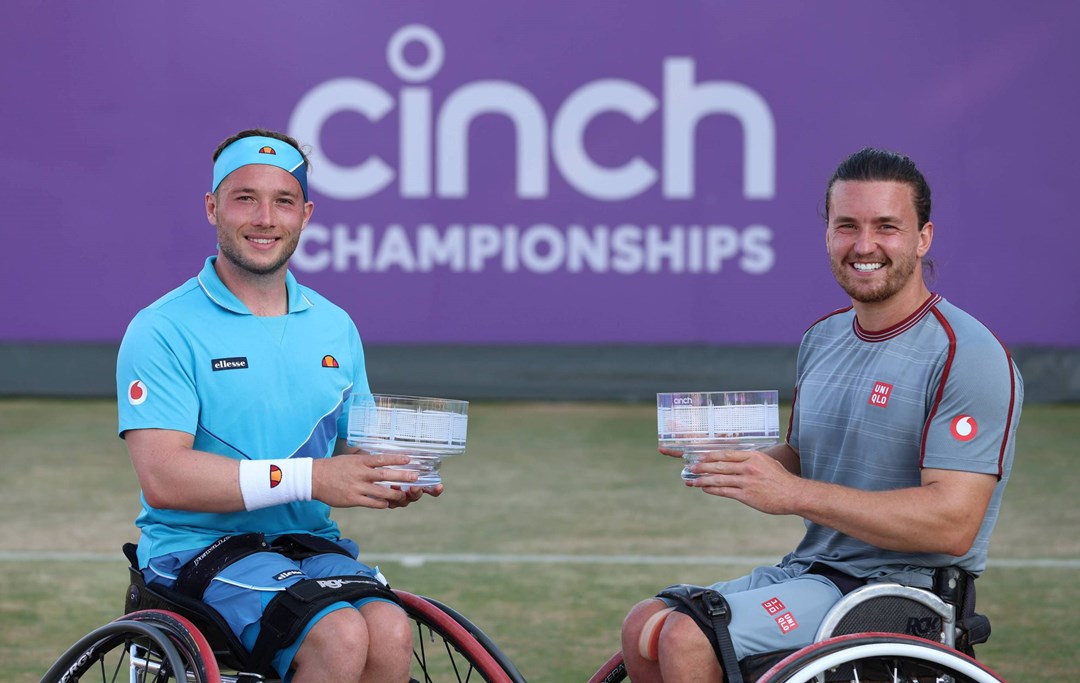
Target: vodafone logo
x,y
136,392
964,428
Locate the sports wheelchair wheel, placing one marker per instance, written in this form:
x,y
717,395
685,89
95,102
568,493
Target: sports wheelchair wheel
x,y
864,657
448,647
611,671
149,645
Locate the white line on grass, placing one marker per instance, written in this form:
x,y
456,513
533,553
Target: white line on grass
x,y
418,559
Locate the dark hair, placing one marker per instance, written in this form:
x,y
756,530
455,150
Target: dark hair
x,y
877,164
265,133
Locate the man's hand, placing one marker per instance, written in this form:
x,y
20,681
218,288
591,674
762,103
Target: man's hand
x,y
753,478
413,494
349,481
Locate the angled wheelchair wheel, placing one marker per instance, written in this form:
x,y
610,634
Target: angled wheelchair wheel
x,y
448,647
864,657
143,646
611,671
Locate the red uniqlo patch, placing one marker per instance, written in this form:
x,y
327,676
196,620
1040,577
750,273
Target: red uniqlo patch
x,y
786,622
880,395
773,605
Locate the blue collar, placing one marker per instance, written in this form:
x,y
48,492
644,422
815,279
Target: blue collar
x,y
221,295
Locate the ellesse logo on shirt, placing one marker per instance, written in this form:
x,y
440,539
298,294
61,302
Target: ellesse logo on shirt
x,y
237,363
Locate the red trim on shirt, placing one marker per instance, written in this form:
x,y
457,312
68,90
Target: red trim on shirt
x,y
944,378
791,416
900,327
1012,406
826,317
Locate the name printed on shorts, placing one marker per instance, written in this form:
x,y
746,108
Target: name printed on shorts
x,y
237,363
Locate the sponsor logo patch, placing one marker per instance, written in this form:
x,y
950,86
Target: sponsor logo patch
x,y
237,363
964,428
137,392
786,622
924,627
288,573
267,150
329,361
773,606
275,476
880,395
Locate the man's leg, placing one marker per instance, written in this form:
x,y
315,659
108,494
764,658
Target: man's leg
x,y
390,651
335,649
372,643
683,651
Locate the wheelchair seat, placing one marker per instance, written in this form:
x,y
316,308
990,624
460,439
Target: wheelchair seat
x,y
946,614
227,648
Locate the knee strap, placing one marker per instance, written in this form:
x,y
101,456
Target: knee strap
x,y
710,611
291,609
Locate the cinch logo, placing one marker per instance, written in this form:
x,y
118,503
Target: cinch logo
x,y
964,428
238,363
434,137
682,401
329,361
880,395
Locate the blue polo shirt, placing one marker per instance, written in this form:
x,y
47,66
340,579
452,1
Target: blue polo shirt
x,y
246,387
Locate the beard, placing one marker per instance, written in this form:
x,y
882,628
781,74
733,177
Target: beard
x,y
231,252
897,276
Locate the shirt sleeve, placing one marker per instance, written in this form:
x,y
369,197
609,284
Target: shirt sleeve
x,y
359,379
155,384
973,424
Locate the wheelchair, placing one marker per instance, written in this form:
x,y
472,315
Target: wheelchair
x,y
879,632
165,636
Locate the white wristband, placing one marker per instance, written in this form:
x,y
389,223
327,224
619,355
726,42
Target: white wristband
x,y
272,482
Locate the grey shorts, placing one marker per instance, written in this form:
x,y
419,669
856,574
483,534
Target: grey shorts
x,y
773,608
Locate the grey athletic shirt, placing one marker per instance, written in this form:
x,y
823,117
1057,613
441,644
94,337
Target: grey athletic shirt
x,y
872,409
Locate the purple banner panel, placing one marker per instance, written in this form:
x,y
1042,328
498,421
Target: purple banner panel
x,y
551,172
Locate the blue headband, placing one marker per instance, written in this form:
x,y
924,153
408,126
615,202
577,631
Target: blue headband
x,y
260,150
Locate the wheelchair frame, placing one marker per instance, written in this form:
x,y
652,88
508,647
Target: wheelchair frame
x,y
164,644
836,655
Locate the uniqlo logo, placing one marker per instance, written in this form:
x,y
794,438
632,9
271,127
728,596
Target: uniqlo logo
x,y
786,622
880,395
773,606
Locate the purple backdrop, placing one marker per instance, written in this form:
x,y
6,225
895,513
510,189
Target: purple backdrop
x,y
541,172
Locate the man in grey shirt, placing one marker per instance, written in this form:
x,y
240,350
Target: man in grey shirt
x,y
900,443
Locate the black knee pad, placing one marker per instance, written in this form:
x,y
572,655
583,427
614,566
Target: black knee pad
x,y
711,613
291,609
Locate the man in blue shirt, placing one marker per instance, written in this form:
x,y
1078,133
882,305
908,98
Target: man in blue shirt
x,y
900,444
233,394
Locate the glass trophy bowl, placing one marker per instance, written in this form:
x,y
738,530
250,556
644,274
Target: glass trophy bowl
x,y
425,429
697,422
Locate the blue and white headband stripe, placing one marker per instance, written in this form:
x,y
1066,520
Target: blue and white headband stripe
x,y
260,150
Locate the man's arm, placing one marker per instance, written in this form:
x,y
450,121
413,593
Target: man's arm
x,y
942,515
175,476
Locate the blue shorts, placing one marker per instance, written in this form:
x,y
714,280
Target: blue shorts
x,y
774,608
242,590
